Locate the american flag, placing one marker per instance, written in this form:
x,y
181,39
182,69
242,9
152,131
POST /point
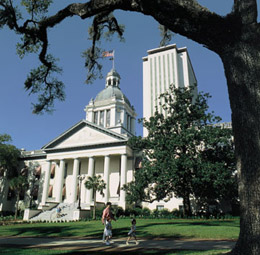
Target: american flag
x,y
108,53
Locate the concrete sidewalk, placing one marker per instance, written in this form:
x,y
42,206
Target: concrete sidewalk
x,y
118,244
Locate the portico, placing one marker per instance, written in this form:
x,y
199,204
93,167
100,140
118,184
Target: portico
x,y
112,160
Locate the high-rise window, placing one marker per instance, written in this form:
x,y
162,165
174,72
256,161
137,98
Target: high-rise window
x,y
108,118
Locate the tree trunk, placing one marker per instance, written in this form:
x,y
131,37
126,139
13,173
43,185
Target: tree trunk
x,y
242,69
94,209
16,205
186,205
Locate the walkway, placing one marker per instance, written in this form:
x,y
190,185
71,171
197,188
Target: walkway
x,y
118,244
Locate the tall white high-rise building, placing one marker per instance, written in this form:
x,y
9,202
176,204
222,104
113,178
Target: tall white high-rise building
x,y
163,67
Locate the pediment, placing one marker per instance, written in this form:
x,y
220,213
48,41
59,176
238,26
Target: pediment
x,y
84,133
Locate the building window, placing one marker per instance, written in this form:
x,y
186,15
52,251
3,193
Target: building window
x,y
108,118
95,117
102,118
159,207
127,121
66,170
131,125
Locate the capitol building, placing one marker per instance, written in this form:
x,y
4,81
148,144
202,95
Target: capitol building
x,y
97,144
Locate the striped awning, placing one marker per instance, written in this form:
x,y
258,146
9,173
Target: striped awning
x,y
53,170
37,171
138,163
50,191
64,190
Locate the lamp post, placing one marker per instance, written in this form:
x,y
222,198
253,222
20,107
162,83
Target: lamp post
x,y
81,178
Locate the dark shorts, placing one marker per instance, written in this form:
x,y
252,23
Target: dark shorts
x,y
132,234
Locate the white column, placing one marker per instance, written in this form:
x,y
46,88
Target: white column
x,y
90,173
75,180
46,182
60,181
123,179
106,177
113,117
123,118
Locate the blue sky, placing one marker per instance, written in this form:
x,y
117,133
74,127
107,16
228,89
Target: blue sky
x,y
67,42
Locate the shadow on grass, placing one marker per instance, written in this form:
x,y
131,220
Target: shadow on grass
x,y
43,231
137,252
13,251
82,230
198,223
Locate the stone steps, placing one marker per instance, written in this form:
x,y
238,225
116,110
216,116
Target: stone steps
x,y
51,215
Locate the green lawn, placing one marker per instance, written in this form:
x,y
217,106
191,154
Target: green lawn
x,y
146,228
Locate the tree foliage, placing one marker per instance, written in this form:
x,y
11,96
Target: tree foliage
x,y
98,185
183,152
32,25
9,156
19,185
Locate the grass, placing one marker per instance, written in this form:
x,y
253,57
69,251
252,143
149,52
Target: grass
x,y
14,251
146,228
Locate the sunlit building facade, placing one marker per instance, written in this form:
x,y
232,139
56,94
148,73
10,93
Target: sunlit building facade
x,y
163,67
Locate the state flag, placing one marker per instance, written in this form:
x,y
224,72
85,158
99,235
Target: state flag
x,y
108,53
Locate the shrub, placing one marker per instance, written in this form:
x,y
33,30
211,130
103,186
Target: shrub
x,y
146,212
127,212
137,211
119,211
155,213
132,211
165,213
99,212
177,213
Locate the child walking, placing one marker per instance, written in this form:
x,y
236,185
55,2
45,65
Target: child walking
x,y
132,233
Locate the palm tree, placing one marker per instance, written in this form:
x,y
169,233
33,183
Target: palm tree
x,y
97,184
18,185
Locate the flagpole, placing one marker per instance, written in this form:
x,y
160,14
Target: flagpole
x,y
113,59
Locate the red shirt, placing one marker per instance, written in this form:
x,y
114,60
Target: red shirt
x,y
107,214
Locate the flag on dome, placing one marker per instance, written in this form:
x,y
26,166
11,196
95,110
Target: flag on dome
x,y
108,53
